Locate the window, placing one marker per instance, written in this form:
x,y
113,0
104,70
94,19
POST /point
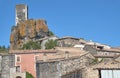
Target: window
x,y
17,68
36,57
18,58
100,47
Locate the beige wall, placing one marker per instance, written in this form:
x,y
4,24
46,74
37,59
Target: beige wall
x,y
14,74
90,73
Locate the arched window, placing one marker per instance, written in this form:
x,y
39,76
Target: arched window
x,y
18,77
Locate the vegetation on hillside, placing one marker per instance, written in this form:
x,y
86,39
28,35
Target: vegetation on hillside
x,y
51,33
32,29
96,61
51,44
31,45
3,49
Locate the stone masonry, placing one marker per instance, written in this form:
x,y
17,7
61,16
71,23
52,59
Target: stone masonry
x,y
7,62
59,68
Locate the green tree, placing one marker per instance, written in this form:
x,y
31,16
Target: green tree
x,y
3,49
8,47
51,44
51,33
29,75
31,45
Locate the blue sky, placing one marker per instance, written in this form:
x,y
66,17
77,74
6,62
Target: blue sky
x,y
97,20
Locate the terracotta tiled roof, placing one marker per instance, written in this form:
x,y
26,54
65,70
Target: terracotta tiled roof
x,y
60,54
31,51
110,50
107,65
4,54
53,55
104,56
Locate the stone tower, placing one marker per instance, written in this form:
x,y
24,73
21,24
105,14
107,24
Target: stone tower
x,y
21,13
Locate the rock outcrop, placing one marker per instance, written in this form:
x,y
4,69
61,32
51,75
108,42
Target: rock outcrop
x,y
26,31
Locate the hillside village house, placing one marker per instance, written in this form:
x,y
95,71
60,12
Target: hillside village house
x,y
25,60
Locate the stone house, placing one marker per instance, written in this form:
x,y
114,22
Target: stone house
x,y
67,41
7,67
6,63
62,66
110,69
102,53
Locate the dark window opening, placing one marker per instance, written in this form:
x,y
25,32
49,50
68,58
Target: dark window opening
x,y
18,77
100,47
18,69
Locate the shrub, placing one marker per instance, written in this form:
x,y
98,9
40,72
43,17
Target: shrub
x,y
51,44
31,45
29,75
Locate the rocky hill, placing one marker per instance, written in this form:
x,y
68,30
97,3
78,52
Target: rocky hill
x,y
29,30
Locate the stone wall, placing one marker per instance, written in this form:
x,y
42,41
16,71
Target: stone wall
x,y
90,49
89,72
47,70
74,74
67,42
14,74
63,68
7,62
7,67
